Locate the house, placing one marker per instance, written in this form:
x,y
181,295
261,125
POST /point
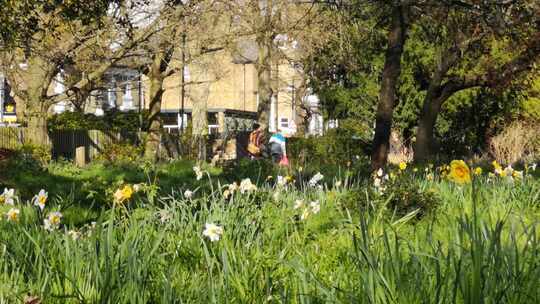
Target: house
x,y
232,101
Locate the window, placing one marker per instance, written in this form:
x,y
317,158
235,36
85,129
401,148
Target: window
x,y
284,123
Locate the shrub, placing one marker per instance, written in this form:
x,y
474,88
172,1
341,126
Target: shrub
x,y
337,147
400,197
120,153
30,157
257,170
113,120
519,141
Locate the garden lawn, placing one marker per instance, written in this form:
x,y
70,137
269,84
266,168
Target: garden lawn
x,y
285,243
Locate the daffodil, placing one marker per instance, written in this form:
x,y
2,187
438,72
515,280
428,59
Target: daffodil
x,y
188,194
459,172
315,179
52,221
41,199
338,184
298,204
498,169
246,186
315,207
305,214
164,216
74,234
123,194
377,182
517,174
213,232
8,197
13,215
198,172
281,181
138,187
402,166
478,171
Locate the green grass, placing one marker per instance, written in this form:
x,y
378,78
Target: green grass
x,y
480,245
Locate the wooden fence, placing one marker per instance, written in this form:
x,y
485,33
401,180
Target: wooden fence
x,y
65,143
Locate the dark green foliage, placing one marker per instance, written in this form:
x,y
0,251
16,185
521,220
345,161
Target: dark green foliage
x,y
337,147
256,170
29,158
399,197
112,121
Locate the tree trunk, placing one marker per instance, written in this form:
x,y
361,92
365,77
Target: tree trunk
x,y
199,98
264,77
36,131
155,126
424,145
387,96
35,116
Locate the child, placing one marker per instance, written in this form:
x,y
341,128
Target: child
x,y
277,147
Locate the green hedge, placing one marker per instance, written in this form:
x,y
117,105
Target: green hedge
x,y
112,120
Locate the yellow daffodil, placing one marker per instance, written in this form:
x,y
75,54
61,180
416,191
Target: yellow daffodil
x,y
123,194
478,171
402,166
459,172
496,165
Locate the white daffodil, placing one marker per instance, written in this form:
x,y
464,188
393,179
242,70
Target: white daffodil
x,y
315,207
299,204
233,187
338,184
188,194
247,186
13,215
377,182
509,171
74,234
198,172
380,172
8,197
137,187
316,179
213,232
41,199
305,214
281,181
533,167
52,221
